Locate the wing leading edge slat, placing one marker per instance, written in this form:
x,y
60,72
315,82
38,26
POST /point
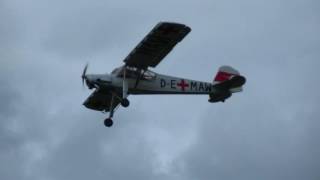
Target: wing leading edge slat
x,y
156,45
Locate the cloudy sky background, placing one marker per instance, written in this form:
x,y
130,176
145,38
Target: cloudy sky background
x,y
269,131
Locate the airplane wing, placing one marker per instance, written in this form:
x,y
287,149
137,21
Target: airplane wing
x,y
101,101
156,45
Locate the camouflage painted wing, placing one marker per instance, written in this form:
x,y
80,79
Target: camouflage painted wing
x,y
156,45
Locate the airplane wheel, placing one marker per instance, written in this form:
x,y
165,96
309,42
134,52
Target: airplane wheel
x,y
108,122
125,102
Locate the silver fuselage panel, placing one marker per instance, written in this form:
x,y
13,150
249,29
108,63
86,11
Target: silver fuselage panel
x,y
155,84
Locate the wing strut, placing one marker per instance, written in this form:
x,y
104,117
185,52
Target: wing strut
x,y
139,77
124,84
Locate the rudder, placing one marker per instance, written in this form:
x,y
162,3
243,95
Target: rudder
x,y
226,73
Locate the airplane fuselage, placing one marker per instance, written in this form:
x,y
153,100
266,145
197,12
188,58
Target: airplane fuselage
x,y
155,84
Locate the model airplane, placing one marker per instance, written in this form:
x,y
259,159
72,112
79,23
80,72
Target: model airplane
x,y
134,77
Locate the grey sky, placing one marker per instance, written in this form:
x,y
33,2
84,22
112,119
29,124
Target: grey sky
x,y
269,131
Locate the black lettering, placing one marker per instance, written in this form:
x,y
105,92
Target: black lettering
x,y
162,83
208,87
193,85
173,84
201,88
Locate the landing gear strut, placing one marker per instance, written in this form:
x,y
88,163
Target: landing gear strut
x,y
124,101
108,122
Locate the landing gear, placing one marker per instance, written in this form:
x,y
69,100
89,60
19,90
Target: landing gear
x,y
125,102
108,122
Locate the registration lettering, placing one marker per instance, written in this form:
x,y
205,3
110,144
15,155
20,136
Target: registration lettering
x,y
184,85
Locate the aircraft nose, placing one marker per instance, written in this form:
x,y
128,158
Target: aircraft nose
x,y
89,81
95,81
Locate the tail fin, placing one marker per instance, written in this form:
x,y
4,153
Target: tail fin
x,y
226,73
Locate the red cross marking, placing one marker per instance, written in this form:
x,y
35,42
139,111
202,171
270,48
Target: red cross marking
x,y
183,84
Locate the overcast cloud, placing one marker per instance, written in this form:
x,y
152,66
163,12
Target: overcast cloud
x,y
269,131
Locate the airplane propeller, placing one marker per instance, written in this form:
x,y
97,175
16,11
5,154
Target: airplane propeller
x,y
84,74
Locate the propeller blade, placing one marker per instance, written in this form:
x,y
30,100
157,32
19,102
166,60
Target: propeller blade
x,y
84,74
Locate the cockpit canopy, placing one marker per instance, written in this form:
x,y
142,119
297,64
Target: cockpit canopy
x,y
134,73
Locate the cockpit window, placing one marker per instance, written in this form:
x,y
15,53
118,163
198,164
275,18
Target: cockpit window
x,y
132,72
149,75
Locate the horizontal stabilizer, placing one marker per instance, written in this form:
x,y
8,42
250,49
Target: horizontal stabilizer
x,y
233,83
227,81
